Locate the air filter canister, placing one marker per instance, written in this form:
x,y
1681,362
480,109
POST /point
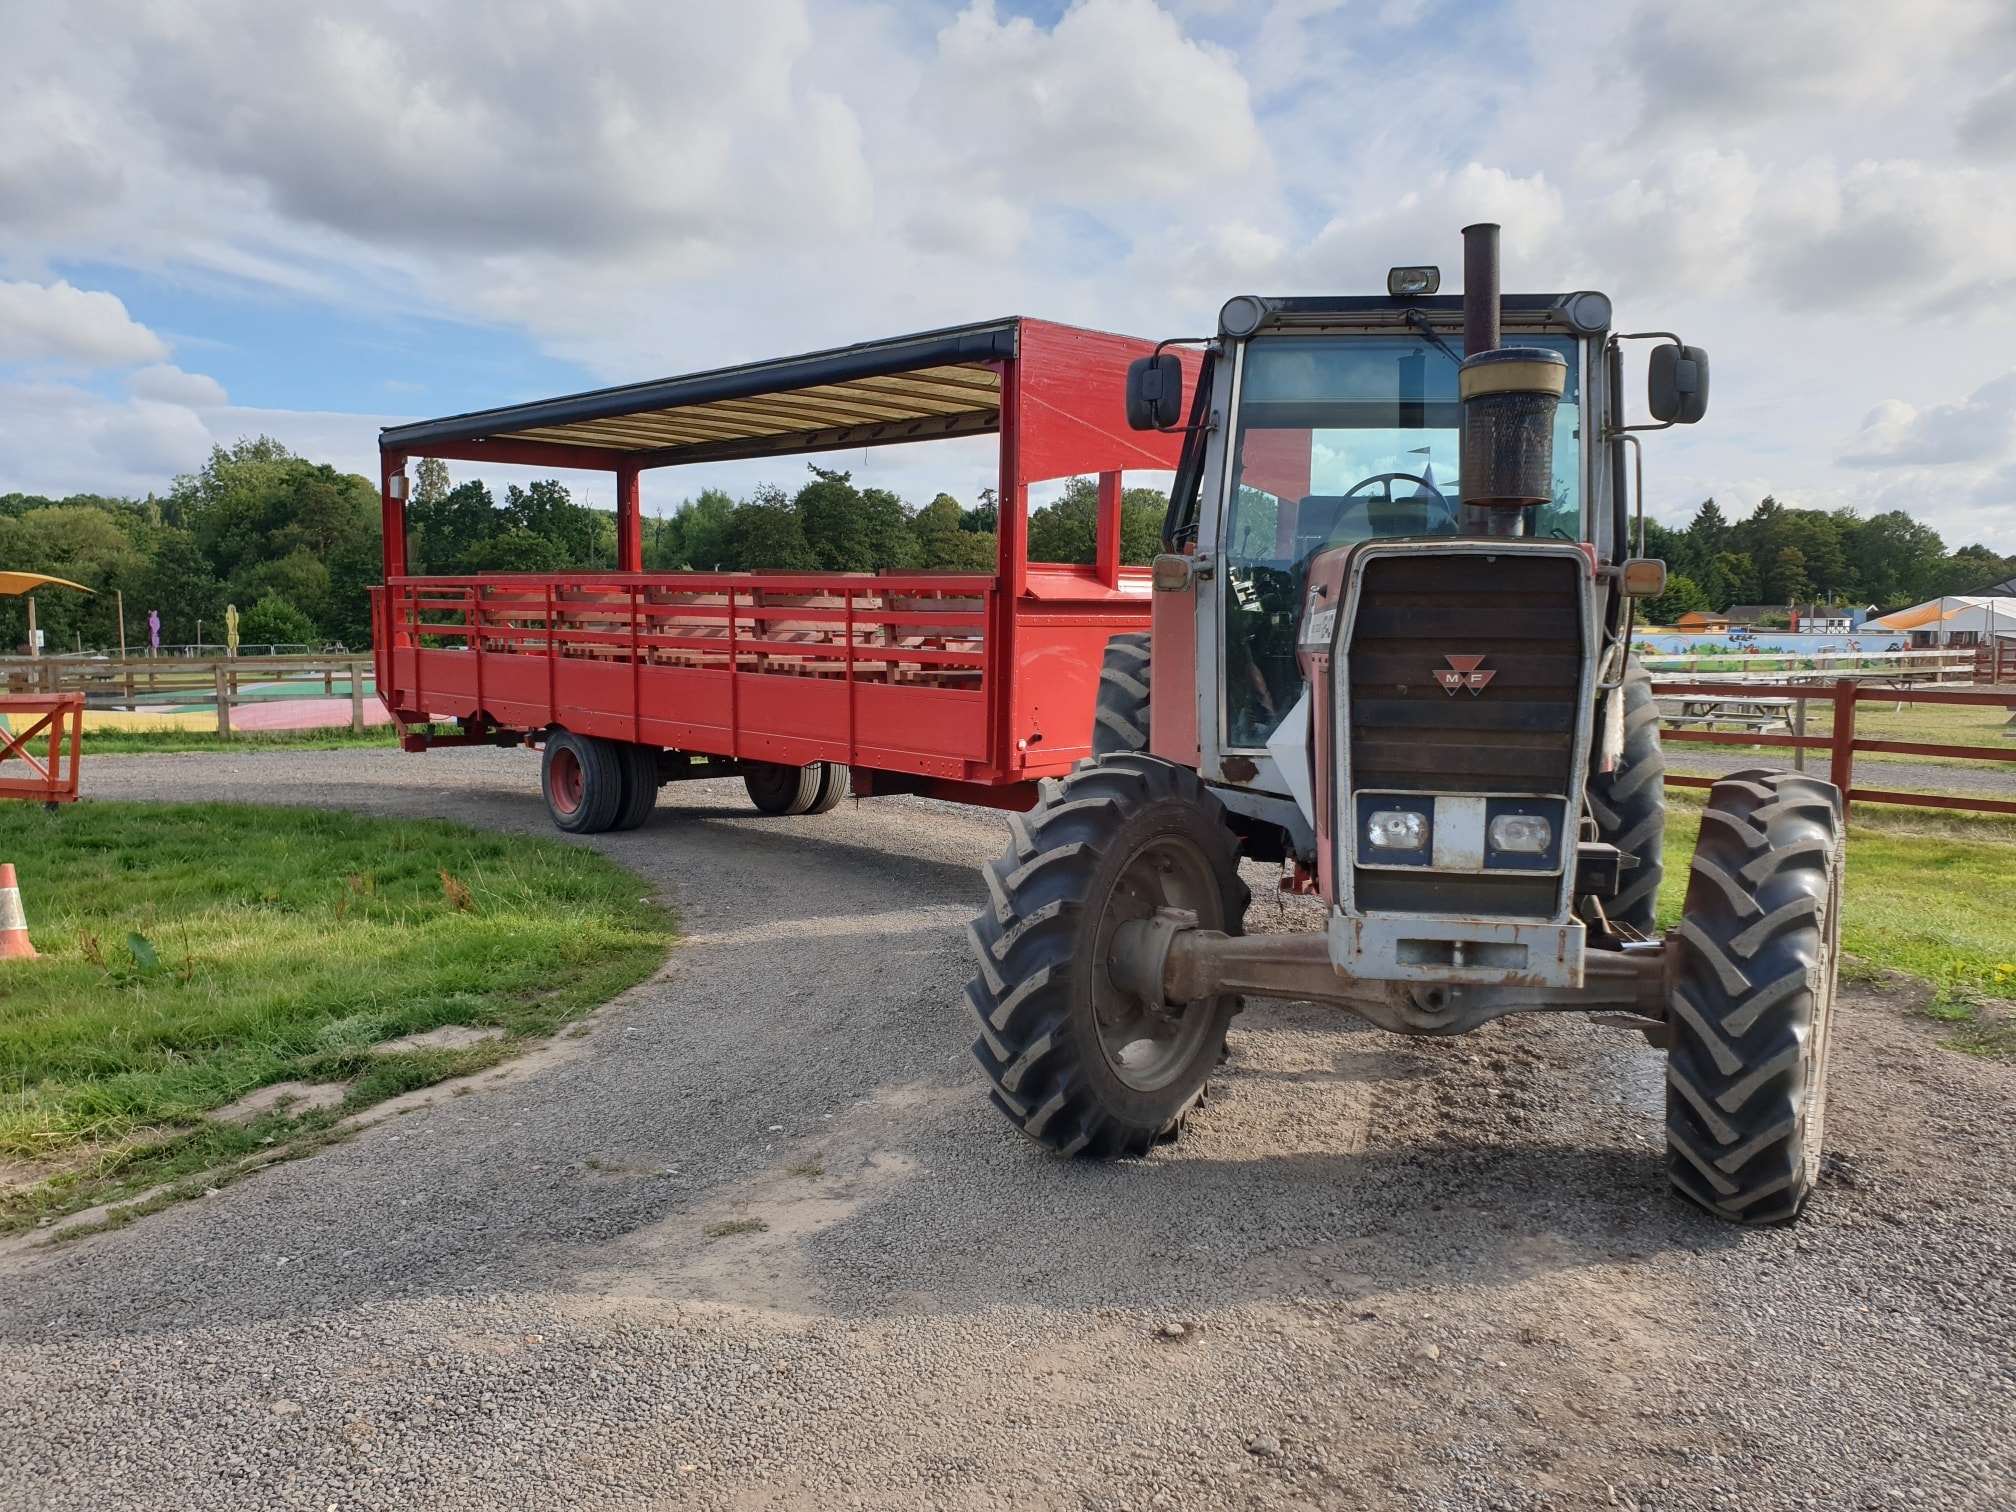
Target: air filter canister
x,y
1509,398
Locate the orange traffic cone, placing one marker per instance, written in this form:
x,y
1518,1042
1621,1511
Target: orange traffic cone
x,y
14,941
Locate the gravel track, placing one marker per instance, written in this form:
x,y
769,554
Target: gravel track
x,y
1407,1273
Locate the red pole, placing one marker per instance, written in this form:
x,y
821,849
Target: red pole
x,y
1011,564
629,521
1107,556
1842,772
392,508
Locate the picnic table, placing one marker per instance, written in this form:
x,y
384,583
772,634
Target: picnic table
x,y
1760,716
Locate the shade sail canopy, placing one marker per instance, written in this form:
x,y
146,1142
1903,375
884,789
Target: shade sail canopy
x,y
909,388
13,584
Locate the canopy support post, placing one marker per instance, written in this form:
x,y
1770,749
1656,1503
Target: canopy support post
x,y
629,520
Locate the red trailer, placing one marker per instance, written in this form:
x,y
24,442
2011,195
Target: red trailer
x,y
960,686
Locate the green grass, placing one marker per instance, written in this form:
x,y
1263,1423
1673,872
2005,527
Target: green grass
x,y
110,742
191,954
1929,893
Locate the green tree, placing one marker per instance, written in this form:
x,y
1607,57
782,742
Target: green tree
x,y
430,481
547,509
767,533
1682,596
854,529
1068,530
943,544
514,549
446,528
696,537
1786,581
275,622
178,582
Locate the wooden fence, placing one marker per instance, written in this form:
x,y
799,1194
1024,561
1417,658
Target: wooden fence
x,y
1842,743
140,684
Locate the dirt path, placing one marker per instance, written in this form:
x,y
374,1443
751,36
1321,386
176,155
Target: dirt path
x,y
1407,1274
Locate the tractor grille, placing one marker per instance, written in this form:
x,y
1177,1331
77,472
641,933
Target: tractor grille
x,y
1522,614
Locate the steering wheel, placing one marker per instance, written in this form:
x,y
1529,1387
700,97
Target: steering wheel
x,y
1385,482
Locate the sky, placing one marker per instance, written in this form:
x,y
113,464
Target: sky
x,y
222,218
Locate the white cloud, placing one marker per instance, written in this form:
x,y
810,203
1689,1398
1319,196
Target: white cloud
x,y
590,128
86,328
1113,103
1724,64
170,385
1979,428
1354,252
1901,232
1987,127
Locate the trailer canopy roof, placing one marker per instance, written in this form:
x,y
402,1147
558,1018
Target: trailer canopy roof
x,y
910,388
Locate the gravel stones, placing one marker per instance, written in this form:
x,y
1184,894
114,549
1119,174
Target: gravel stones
x,y
504,1299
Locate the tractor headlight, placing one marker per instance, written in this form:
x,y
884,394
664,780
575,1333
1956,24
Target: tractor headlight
x,y
1397,829
1521,834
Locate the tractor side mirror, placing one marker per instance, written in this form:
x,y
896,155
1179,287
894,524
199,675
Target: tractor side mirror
x,y
1642,577
1155,392
1677,384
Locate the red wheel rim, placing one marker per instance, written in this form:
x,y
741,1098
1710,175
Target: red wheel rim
x,y
563,776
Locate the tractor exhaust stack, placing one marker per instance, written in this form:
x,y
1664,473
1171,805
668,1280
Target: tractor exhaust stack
x,y
1480,288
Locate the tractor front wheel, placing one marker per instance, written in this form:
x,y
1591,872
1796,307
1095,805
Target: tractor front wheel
x,y
1078,1064
1759,946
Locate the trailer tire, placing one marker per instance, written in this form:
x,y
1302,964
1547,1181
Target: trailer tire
x,y
581,777
833,786
640,784
1120,719
780,790
1077,1065
1629,805
1750,1017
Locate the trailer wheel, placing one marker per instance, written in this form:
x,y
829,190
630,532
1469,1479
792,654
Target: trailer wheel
x,y
1120,720
1078,1065
1758,948
780,790
834,784
639,765
582,778
1630,805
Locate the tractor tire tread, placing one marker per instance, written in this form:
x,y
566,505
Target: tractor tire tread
x,y
1748,1026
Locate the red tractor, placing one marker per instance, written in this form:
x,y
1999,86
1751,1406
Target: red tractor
x,y
1390,648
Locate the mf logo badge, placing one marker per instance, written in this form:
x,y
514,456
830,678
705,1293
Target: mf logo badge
x,y
1463,673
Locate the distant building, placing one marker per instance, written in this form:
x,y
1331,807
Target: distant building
x,y
1961,619
1702,622
1829,619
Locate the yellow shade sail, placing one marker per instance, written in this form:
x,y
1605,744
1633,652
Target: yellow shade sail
x,y
15,583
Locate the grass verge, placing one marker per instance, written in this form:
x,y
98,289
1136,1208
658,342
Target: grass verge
x,y
1931,893
113,742
194,953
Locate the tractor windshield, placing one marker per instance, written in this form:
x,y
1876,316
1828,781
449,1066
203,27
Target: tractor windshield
x,y
1342,439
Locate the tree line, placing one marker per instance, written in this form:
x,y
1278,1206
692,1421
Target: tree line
x,y
294,545
828,525
1798,556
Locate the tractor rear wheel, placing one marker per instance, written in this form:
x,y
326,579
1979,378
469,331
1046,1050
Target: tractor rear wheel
x,y
640,784
582,779
1120,719
1759,946
1630,805
781,790
1076,1063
